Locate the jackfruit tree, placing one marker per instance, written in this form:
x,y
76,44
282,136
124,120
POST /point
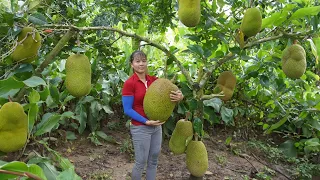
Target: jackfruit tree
x,y
28,44
78,75
294,61
189,12
157,103
13,127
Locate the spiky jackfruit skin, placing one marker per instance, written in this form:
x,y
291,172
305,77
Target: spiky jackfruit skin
x,y
294,62
226,82
197,158
251,22
13,127
30,41
189,12
78,75
157,103
177,142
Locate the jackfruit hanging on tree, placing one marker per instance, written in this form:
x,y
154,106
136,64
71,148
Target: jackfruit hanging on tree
x,y
294,62
13,127
226,82
157,103
78,75
197,158
251,22
189,12
182,131
29,42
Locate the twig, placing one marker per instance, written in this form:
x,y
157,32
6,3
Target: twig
x,y
245,157
275,169
25,174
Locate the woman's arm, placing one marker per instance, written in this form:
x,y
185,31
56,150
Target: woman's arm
x,y
127,102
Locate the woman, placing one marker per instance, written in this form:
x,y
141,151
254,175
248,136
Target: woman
x,y
146,133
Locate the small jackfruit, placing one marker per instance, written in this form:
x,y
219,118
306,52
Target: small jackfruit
x,y
177,142
78,75
197,158
226,82
251,22
29,42
294,62
157,103
189,12
13,127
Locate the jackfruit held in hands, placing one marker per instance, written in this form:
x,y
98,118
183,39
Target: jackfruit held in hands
x,y
157,103
294,62
29,42
13,127
251,22
78,75
189,12
177,142
226,82
197,158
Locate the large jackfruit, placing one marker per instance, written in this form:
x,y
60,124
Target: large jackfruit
x,y
29,42
189,12
13,127
157,103
251,22
197,158
226,82
78,75
294,62
182,131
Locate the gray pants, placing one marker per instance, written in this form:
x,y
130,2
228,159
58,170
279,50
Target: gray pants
x,y
147,146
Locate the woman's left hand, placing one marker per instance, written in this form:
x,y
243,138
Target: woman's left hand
x,y
176,96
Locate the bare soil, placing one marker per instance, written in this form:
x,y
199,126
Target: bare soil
x,y
111,161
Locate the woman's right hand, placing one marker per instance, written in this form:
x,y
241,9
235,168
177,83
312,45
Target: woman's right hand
x,y
154,123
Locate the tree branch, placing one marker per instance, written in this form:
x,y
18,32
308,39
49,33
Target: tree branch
x,y
150,42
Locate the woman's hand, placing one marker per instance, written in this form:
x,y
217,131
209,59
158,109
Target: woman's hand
x,y
176,96
154,123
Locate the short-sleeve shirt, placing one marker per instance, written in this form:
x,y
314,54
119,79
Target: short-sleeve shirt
x,y
136,88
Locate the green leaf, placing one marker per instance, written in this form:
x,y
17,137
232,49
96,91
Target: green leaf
x,y
305,12
197,125
68,174
269,21
34,96
48,121
15,166
9,84
37,19
71,135
81,117
36,170
49,170
288,148
107,138
317,106
214,102
277,125
226,115
34,81
32,115
228,140
196,49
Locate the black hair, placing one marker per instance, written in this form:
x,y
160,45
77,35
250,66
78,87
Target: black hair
x,y
137,53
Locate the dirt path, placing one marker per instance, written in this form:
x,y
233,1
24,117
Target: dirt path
x,y
108,162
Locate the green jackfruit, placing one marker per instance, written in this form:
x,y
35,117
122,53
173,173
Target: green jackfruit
x,y
177,142
294,62
13,127
189,12
226,82
29,42
157,103
197,158
251,22
78,75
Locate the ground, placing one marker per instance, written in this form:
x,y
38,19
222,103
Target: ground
x,y
114,160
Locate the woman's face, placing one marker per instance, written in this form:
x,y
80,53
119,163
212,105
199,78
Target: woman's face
x,y
139,64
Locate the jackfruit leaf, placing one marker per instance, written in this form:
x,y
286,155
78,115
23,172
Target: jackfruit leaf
x,y
253,74
313,49
95,107
214,102
17,166
32,115
81,117
34,96
269,21
227,115
196,49
288,148
68,174
312,145
44,93
54,93
71,135
197,125
33,4
264,80
276,125
308,11
104,136
34,81
67,114
317,44
49,170
48,122
210,115
315,124
317,106
88,99
192,103
107,109
37,19
9,84
122,75
36,170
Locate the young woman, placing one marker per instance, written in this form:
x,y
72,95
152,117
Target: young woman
x,y
146,133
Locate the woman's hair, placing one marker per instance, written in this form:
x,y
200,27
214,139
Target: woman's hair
x,y
137,53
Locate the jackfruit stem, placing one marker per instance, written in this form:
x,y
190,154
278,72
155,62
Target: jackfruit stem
x,y
188,114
